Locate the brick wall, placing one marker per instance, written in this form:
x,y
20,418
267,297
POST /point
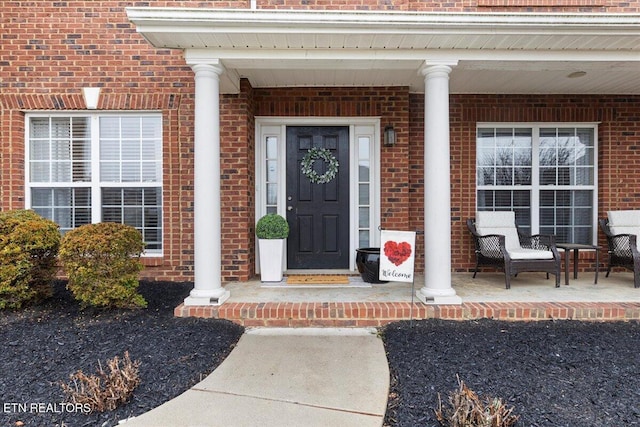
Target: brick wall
x,y
237,158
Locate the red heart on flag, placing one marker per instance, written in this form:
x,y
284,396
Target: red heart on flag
x,y
396,252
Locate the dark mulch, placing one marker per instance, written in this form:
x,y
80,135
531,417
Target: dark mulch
x,y
42,346
562,373
554,373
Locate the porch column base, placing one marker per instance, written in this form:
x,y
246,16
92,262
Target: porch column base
x,y
207,297
437,297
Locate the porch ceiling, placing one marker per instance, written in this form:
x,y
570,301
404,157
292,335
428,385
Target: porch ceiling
x,y
496,53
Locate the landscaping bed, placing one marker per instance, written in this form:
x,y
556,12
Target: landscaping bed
x,y
44,345
554,373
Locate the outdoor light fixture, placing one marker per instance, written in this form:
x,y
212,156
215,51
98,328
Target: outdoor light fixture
x,y
389,136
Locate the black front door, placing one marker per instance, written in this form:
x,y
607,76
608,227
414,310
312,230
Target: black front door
x,y
318,213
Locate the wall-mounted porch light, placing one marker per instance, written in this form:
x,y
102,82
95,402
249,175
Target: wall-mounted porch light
x,y
389,136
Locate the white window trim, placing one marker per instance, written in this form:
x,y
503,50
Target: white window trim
x,y
358,127
535,187
94,184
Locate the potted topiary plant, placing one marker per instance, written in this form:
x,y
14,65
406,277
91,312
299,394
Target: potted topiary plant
x,y
272,230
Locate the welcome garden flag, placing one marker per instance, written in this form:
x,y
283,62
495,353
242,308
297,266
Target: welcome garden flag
x,y
397,255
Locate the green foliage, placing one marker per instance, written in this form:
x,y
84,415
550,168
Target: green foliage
x,y
102,262
272,226
28,248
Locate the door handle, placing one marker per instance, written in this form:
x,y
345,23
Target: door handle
x,y
289,208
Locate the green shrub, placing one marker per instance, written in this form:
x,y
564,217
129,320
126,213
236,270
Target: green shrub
x,y
272,226
102,262
28,249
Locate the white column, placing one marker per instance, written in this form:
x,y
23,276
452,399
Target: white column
x,y
208,288
437,187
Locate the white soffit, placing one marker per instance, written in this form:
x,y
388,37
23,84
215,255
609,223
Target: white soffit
x,y
496,53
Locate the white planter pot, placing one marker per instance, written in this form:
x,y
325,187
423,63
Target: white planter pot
x,y
271,254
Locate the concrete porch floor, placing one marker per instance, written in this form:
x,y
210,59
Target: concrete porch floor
x,y
531,297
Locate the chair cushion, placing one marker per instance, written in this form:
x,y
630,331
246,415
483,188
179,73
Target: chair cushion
x,y
629,218
503,223
495,219
525,253
625,230
625,222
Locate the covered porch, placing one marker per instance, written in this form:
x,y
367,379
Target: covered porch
x,y
531,297
430,53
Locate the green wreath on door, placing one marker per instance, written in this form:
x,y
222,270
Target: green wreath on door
x,y
327,157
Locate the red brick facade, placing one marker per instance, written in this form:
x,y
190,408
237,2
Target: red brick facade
x,y
51,50
376,314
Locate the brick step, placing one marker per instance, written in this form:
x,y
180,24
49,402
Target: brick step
x,y
373,314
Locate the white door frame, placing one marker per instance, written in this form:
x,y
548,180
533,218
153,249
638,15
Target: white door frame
x,y
361,130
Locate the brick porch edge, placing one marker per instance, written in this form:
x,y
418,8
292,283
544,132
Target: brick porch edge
x,y
368,314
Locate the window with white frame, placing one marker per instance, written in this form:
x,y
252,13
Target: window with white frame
x,y
546,174
90,168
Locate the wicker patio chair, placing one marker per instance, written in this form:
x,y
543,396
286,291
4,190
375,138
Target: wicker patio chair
x,y
500,244
621,229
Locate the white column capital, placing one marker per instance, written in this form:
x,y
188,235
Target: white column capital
x,y
201,56
443,67
208,70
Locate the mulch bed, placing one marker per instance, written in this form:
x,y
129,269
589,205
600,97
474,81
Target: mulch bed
x,y
43,345
554,373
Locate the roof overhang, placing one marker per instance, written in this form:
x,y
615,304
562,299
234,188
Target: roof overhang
x,y
495,52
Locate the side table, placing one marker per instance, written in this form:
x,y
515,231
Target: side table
x,y
576,248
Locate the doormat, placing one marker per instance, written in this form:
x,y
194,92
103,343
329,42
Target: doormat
x,y
318,281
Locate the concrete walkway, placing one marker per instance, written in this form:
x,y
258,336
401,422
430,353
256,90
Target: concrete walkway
x,y
287,377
